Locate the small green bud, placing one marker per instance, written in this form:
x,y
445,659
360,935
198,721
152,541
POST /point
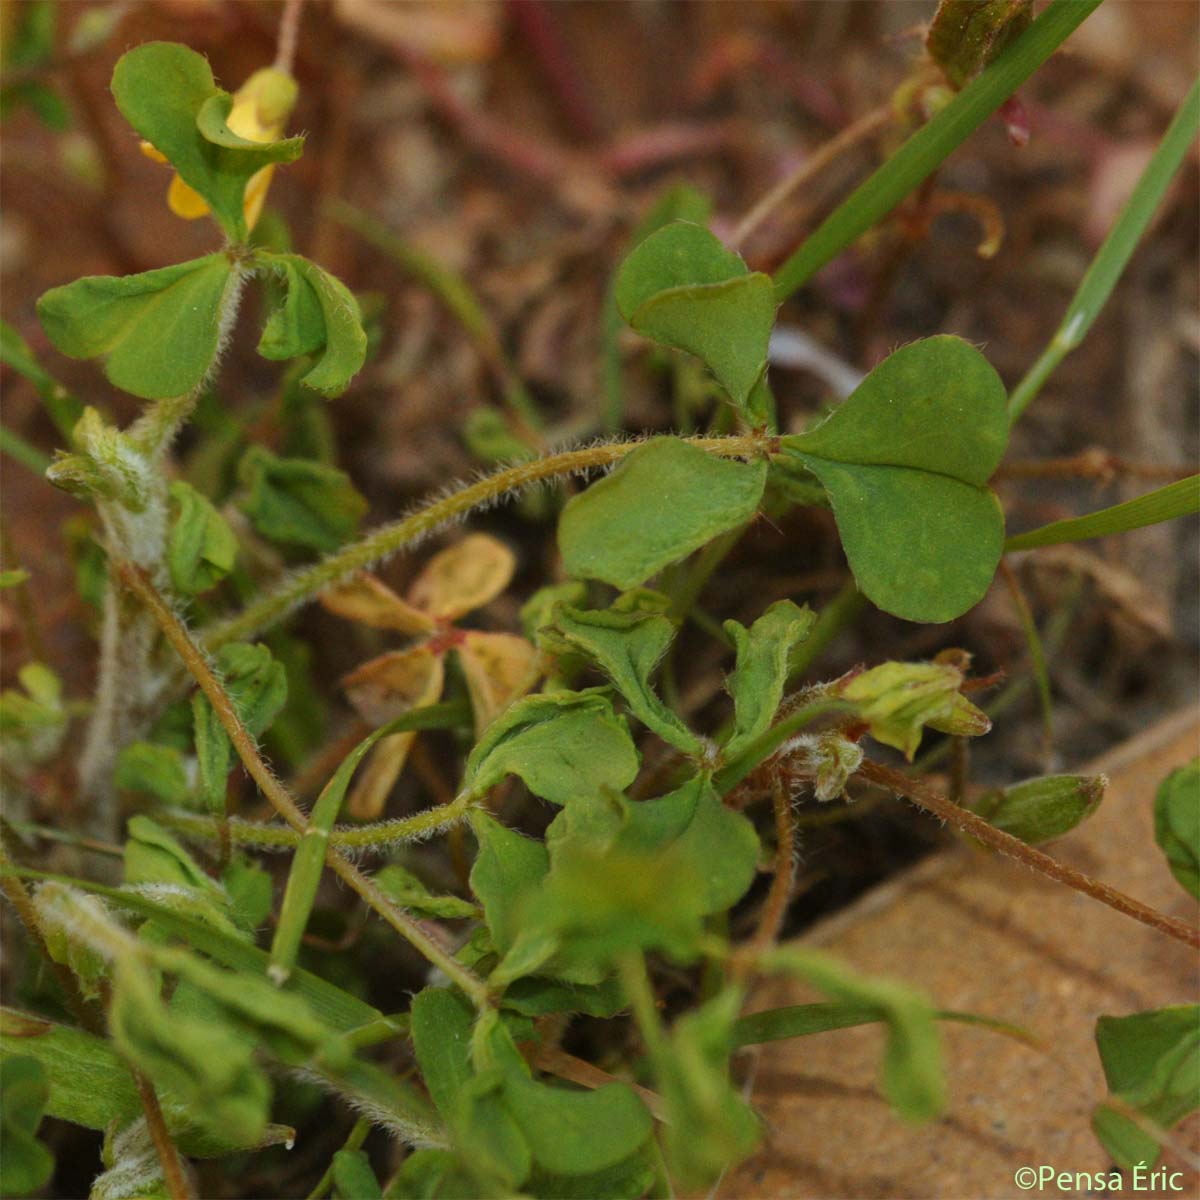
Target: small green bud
x,y
1044,808
108,465
897,700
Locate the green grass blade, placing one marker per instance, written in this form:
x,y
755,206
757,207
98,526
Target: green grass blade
x,y
19,450
309,859
1110,260
337,1008
1163,504
921,155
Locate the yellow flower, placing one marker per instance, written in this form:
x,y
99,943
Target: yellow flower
x,y
498,667
261,107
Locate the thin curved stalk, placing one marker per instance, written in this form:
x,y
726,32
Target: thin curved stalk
x,y
278,795
303,585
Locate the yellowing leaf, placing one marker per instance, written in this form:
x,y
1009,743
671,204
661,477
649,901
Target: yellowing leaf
x,y
382,690
498,668
387,686
463,577
369,602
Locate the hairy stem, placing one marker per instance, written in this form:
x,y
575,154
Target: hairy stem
x,y
380,543
278,795
812,165
763,746
174,1175
289,36
381,836
923,796
775,909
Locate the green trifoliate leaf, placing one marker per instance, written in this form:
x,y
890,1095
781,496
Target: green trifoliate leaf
x,y
168,94
508,870
1152,1062
912,1077
570,1132
905,460
758,680
562,745
1177,824
665,500
637,876
441,1034
63,409
152,855
150,769
159,331
297,502
251,893
534,997
317,314
26,1165
682,287
628,646
1040,809
201,547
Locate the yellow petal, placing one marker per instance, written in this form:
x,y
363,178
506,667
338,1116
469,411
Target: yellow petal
x,y
256,195
153,153
499,668
262,105
365,600
184,201
392,684
374,782
463,577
